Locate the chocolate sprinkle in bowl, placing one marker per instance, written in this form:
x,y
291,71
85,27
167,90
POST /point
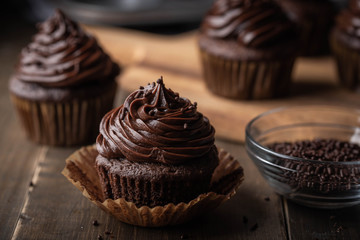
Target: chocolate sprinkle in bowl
x,y
309,154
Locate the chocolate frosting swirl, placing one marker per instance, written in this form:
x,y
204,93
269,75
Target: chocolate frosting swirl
x,y
254,23
155,125
63,55
348,21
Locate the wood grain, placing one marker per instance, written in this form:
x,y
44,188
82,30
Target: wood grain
x,y
309,223
18,157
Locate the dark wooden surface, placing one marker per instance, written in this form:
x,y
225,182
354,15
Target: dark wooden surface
x,y
52,208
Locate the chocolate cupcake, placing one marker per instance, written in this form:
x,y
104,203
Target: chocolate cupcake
x,y
64,82
314,19
155,149
345,44
247,48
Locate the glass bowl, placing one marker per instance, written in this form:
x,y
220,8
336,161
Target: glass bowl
x,y
314,183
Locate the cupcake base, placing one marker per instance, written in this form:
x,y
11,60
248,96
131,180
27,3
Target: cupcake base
x,y
80,170
347,60
69,122
235,72
154,184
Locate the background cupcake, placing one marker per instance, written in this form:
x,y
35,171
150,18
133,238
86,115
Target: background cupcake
x,y
64,82
247,49
155,149
314,19
345,43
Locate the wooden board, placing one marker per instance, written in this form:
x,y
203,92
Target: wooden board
x,y
147,57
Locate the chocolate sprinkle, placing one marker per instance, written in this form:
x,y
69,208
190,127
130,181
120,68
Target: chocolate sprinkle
x,y
159,81
319,175
184,236
254,227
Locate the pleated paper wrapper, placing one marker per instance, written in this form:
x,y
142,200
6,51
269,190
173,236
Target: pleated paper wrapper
x,y
348,62
69,123
246,79
80,171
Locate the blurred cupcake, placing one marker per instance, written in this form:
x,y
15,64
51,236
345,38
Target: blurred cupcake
x,y
314,19
247,48
345,43
155,149
63,84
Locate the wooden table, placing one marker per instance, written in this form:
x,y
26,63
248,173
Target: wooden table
x,y
37,202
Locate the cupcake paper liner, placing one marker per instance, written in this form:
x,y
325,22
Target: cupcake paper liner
x,y
67,123
348,64
246,79
80,171
314,36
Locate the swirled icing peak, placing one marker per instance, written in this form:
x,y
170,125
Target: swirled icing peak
x,y
348,21
254,23
155,125
62,55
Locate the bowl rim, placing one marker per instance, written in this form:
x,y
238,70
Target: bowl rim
x,y
249,137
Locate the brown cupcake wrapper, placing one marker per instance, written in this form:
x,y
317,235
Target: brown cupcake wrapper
x,y
348,63
67,123
314,37
80,170
246,79
140,191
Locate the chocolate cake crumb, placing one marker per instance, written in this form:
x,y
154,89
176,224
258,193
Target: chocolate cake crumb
x,y
24,216
95,223
245,220
31,184
254,227
184,236
99,237
108,232
267,199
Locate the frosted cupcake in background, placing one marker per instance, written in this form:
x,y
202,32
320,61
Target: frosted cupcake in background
x,y
63,84
315,19
345,44
247,48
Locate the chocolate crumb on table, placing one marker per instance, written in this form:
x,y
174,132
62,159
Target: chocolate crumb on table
x,y
95,223
254,227
319,175
99,237
107,232
184,236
